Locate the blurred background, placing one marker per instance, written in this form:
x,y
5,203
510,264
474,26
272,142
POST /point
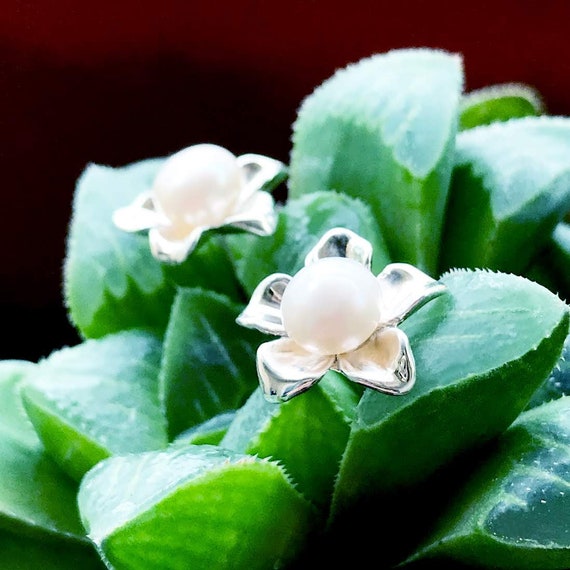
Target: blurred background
x,y
116,82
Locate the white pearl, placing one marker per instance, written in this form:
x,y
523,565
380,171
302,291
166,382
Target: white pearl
x,y
198,186
331,306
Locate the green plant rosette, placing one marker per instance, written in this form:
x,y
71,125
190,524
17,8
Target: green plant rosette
x,y
149,444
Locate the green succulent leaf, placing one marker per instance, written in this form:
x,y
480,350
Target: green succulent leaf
x,y
559,258
208,362
510,188
316,424
514,512
558,382
36,497
111,280
302,222
27,553
481,351
383,130
551,266
499,103
193,507
210,432
97,399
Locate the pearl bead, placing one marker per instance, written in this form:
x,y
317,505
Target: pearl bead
x,y
198,186
331,306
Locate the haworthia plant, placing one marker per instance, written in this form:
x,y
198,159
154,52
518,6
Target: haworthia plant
x,y
510,188
513,511
21,552
112,282
158,414
208,365
558,382
485,346
551,267
499,103
86,402
194,507
293,432
210,431
383,130
37,500
302,221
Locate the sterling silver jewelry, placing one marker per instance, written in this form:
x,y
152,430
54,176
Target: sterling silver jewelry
x,y
198,189
334,314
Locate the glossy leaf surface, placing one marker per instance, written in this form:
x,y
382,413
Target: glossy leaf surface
x,y
481,351
97,399
383,130
558,382
514,512
194,507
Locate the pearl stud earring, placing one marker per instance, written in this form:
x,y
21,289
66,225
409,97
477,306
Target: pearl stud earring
x,y
334,314
201,188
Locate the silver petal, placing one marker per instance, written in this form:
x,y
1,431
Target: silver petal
x,y
340,242
385,362
140,215
258,171
263,311
257,215
404,290
286,370
173,251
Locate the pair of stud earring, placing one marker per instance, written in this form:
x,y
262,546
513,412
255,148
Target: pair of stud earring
x,y
334,314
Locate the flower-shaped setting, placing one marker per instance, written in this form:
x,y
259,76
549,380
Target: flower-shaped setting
x,y
201,188
334,314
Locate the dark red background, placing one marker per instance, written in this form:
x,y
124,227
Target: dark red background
x,y
115,82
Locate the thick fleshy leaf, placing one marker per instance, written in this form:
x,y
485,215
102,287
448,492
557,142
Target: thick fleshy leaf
x,y
307,435
499,103
111,280
193,507
36,497
210,432
302,222
383,130
510,188
551,266
558,382
481,351
514,512
18,552
97,399
208,364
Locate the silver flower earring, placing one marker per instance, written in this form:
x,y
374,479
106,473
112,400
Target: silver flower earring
x,y
198,189
334,314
